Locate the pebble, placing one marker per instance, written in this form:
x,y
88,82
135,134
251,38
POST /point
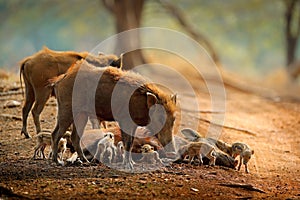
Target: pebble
x,y
11,104
143,178
100,191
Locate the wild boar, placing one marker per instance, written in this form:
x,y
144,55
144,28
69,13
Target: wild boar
x,y
112,95
44,65
223,150
143,136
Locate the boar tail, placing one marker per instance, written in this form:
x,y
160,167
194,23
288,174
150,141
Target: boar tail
x,y
22,66
21,71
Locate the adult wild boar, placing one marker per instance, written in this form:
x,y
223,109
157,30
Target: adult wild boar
x,y
113,95
44,65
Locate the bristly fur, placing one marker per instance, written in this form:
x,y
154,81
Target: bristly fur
x,y
122,77
71,53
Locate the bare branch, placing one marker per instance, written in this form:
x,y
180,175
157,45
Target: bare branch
x,y
179,15
244,186
229,127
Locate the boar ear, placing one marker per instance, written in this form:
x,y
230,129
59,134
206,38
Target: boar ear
x,y
121,61
252,151
151,99
174,98
118,63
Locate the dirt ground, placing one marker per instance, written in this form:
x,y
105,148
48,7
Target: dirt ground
x,y
269,126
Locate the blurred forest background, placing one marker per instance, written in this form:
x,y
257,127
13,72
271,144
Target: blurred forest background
x,y
249,36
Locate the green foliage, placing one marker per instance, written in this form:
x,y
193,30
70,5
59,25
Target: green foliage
x,y
248,35
61,25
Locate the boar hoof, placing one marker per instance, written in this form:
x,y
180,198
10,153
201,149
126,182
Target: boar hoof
x,y
60,163
128,166
27,136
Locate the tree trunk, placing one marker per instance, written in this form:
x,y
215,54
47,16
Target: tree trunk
x,y
291,36
128,15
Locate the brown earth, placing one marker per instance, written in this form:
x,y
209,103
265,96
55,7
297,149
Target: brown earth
x,y
269,126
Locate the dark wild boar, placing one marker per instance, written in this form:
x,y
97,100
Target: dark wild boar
x,y
44,65
113,95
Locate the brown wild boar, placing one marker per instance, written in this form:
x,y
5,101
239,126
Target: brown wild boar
x,y
150,156
44,65
142,136
194,149
245,153
121,96
43,139
223,153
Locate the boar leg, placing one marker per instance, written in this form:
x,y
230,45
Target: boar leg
x,y
128,140
29,100
78,128
246,168
95,122
36,149
54,143
240,163
59,131
166,139
40,101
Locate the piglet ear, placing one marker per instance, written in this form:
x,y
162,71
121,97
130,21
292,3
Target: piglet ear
x,y
151,99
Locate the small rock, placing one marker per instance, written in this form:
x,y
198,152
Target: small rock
x,y
44,186
194,189
179,173
213,173
114,176
142,181
101,191
11,104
